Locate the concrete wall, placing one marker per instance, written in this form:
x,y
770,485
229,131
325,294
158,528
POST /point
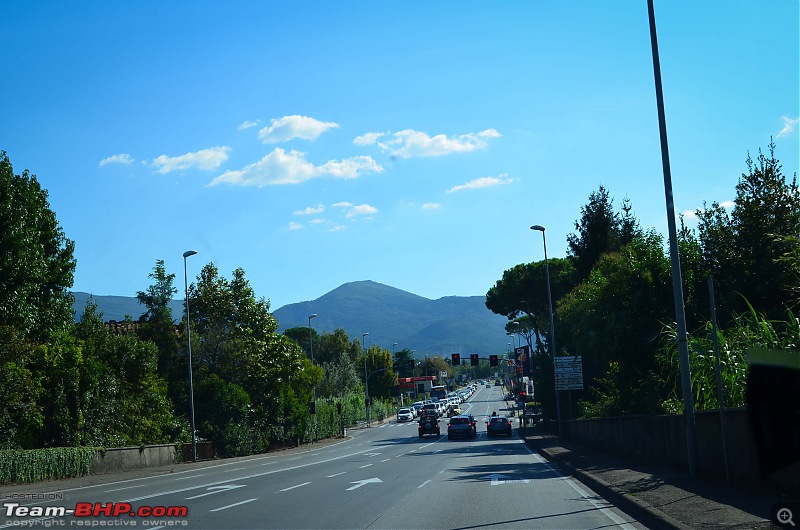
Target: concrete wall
x,y
127,458
662,439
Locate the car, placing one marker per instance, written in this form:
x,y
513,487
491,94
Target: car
x,y
430,407
405,414
455,410
461,425
498,425
428,424
498,383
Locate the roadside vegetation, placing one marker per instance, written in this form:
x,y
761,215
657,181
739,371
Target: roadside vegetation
x,y
613,304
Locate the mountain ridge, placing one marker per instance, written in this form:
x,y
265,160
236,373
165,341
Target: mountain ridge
x,y
450,324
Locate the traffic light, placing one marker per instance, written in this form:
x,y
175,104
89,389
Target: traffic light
x,y
474,360
456,359
493,360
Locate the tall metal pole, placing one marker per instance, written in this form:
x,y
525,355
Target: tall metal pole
x,y
189,345
314,388
366,376
720,388
677,285
553,350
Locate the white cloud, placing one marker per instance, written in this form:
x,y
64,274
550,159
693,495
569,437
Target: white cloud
x,y
367,139
431,206
280,167
689,215
483,182
247,125
788,126
295,226
317,221
122,158
206,159
311,210
289,127
357,210
410,143
727,204
337,228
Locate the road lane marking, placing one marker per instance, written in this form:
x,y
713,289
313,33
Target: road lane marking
x,y
126,488
423,484
217,489
298,486
190,476
360,483
231,505
385,459
234,469
242,478
362,467
337,474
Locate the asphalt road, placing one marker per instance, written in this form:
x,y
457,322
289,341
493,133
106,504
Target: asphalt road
x,y
381,477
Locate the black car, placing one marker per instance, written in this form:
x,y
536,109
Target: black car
x,y
429,424
461,425
498,425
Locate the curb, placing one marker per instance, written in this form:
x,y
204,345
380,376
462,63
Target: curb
x,y
637,508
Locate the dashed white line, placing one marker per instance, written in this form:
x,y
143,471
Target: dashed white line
x,y
362,467
231,505
337,474
298,486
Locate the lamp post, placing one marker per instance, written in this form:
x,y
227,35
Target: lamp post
x,y
366,376
677,282
189,346
540,228
314,388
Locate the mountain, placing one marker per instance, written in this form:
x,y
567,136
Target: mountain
x,y
453,324
116,307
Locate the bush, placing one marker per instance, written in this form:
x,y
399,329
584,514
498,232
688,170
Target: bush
x,y
25,466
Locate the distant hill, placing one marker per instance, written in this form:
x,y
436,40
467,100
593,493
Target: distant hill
x,y
453,324
116,307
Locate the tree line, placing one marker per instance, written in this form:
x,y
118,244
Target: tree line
x,y
68,383
613,305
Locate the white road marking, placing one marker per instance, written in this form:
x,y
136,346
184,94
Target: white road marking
x,y
337,474
298,486
231,505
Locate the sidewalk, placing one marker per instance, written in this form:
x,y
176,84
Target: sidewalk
x,y
656,496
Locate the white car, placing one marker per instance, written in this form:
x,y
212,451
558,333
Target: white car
x,y
405,414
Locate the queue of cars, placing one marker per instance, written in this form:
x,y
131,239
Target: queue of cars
x,y
459,425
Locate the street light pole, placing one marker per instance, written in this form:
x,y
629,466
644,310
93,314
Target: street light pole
x,y
677,283
366,376
540,228
189,346
313,388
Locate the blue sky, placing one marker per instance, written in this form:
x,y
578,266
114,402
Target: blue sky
x,y
409,143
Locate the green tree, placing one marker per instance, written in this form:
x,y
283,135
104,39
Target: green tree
x,y
745,249
36,259
404,362
122,399
616,316
21,415
598,231
158,324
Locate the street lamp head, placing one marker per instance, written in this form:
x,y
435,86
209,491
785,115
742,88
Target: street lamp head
x,y
189,253
540,228
312,315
